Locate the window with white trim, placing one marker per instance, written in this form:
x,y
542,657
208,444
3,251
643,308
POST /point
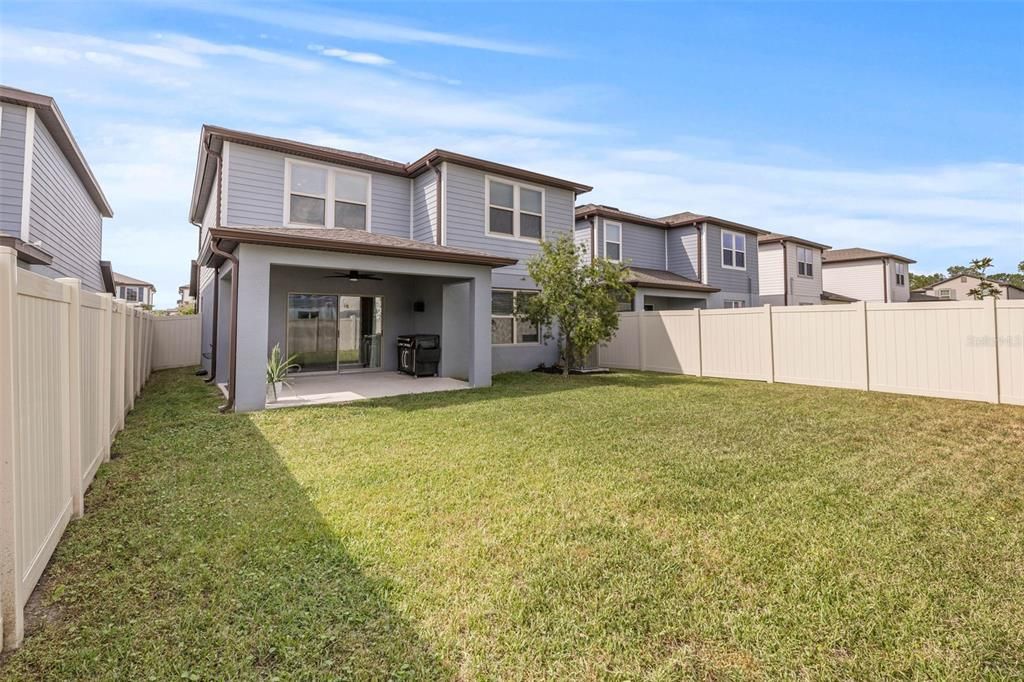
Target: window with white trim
x,y
734,250
613,241
506,327
325,197
901,274
131,293
804,262
514,210
946,294
735,304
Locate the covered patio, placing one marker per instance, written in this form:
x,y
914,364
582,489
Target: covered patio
x,y
336,302
326,389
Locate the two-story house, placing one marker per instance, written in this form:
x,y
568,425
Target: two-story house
x,y
134,290
958,288
677,262
51,206
790,271
332,255
866,275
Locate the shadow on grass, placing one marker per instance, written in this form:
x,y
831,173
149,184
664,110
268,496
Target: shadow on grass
x,y
200,555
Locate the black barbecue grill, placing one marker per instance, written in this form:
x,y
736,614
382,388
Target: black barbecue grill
x,y
419,354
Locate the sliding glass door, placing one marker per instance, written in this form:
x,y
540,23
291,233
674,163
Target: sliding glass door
x,y
330,333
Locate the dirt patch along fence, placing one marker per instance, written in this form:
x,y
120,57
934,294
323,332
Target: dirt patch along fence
x,y
972,350
72,363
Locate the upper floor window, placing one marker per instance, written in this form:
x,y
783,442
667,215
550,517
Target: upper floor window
x,y
804,262
131,293
613,241
946,294
318,195
901,274
734,250
515,210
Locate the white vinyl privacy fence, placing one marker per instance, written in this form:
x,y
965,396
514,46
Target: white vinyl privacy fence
x,y
71,365
972,350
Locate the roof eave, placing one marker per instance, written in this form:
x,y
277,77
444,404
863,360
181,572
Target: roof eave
x,y
235,236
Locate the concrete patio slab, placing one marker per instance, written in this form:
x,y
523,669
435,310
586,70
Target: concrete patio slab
x,y
327,389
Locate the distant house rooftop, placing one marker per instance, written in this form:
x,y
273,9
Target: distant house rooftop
x,y
855,254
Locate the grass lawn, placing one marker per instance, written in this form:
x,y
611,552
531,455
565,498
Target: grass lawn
x,y
629,526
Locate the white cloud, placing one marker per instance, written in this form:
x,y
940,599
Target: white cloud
x,y
360,28
368,58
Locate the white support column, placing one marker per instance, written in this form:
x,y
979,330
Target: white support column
x,y
253,282
700,347
12,621
74,398
479,321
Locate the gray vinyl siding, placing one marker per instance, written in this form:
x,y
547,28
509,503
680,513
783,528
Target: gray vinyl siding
x,y
389,212
465,227
255,192
682,251
12,166
583,237
735,284
643,246
62,215
254,187
424,206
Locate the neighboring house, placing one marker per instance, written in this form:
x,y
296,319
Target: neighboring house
x,y
133,290
184,295
866,275
790,271
334,254
51,206
958,289
677,262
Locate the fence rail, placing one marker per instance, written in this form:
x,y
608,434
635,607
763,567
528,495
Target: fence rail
x,y
72,363
972,350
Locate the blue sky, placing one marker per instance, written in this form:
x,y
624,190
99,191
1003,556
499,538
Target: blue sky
x,y
896,127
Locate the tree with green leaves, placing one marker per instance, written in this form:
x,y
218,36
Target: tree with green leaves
x,y
986,288
577,303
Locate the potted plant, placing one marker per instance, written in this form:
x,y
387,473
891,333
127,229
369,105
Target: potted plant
x,y
277,371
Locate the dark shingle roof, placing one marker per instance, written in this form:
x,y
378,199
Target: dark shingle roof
x,y
773,237
125,279
844,255
674,220
352,241
829,296
663,279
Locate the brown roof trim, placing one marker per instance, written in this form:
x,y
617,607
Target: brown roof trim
x,y
107,274
418,166
215,136
48,111
649,278
853,254
27,253
132,281
720,222
234,236
691,219
774,238
588,211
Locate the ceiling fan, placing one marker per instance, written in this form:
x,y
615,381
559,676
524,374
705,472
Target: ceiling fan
x,y
354,275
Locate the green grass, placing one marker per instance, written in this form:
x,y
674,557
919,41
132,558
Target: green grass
x,y
630,526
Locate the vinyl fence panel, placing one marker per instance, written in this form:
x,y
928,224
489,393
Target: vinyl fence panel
x,y
821,345
176,341
66,359
972,350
